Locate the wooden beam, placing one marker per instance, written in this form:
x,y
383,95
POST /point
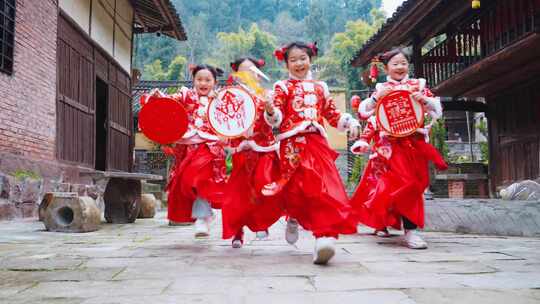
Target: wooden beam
x,y
138,19
491,87
417,58
165,13
152,29
399,30
432,27
462,105
511,59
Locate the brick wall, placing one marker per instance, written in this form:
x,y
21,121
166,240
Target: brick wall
x,y
27,97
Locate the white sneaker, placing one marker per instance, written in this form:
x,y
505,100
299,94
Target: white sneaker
x,y
412,240
291,232
261,235
201,228
324,250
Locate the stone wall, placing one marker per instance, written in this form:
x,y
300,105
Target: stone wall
x,y
28,104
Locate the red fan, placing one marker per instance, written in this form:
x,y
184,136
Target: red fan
x,y
399,114
163,120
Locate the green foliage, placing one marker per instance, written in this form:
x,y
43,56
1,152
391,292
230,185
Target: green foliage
x,y
24,174
175,70
357,169
484,151
438,138
286,21
482,126
228,164
177,67
154,71
253,42
336,66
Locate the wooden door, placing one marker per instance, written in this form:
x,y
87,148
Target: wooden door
x,y
75,106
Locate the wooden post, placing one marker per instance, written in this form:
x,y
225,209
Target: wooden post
x,y
417,57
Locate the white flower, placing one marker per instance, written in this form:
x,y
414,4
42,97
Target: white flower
x,y
199,122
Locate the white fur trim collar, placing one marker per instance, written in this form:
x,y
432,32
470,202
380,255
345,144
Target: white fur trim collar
x,y
404,80
309,76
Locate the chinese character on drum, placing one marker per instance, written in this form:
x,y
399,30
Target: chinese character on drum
x,y
232,113
399,114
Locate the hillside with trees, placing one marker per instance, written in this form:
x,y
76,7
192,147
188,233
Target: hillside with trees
x,y
219,31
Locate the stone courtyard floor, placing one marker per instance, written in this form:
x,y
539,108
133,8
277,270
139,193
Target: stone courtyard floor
x,y
150,262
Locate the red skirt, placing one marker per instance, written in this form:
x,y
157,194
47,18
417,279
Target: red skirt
x,y
315,194
394,188
194,177
244,204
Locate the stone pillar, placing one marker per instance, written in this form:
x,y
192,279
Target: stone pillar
x,y
122,200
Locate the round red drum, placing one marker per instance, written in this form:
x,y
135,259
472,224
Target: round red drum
x,y
398,114
232,112
163,120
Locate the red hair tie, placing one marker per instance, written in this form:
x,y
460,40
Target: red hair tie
x,y
280,54
234,67
314,48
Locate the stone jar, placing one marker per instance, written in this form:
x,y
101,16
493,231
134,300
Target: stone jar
x,y
67,212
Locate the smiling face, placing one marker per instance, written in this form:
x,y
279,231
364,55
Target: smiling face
x,y
204,82
298,63
398,67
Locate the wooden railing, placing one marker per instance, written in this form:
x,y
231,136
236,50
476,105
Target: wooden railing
x,y
496,26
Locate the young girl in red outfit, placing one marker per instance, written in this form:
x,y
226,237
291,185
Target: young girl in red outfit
x,y
392,186
311,186
197,182
255,163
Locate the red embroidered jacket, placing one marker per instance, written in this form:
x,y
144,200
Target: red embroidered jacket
x,y
301,105
433,104
199,129
259,137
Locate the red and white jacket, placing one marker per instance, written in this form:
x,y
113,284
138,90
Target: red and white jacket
x,y
432,104
259,137
199,129
301,105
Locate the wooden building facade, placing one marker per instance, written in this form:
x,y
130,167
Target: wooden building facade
x,y
66,82
95,38
489,54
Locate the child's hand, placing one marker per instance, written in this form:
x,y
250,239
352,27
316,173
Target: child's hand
x,y
156,93
354,130
360,147
269,104
168,150
418,96
382,92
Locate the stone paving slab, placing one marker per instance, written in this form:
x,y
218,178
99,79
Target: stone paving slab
x,y
150,262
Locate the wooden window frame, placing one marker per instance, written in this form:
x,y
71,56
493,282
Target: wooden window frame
x,y
7,35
